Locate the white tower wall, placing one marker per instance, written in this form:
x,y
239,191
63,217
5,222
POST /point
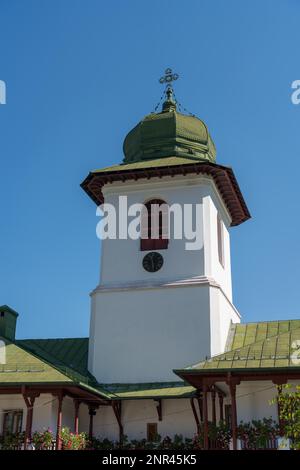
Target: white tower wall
x,y
143,324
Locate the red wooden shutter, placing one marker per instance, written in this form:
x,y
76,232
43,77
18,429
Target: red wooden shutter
x,y
160,243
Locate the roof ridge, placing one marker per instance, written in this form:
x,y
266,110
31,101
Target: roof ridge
x,y
177,382
57,363
51,339
42,360
63,377
230,335
267,321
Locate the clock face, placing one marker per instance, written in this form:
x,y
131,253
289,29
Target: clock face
x,y
152,262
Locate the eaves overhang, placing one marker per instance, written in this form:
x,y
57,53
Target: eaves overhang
x,y
223,177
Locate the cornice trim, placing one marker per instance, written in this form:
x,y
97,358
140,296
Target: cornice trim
x,y
146,285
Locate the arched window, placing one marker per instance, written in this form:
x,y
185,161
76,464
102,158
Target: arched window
x,y
154,225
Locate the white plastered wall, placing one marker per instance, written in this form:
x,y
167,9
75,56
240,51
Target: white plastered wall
x,y
142,327
177,418
42,413
141,335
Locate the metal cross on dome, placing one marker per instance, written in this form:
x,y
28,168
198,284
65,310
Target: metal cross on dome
x,y
168,78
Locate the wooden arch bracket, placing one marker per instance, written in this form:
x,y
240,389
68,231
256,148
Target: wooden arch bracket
x,y
117,408
158,404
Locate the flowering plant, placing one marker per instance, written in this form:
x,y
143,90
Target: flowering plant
x,y
289,410
71,441
12,441
257,433
43,439
218,435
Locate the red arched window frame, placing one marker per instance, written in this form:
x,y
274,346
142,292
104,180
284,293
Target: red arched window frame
x,y
162,242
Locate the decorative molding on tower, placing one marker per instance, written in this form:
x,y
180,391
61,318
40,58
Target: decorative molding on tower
x,y
147,285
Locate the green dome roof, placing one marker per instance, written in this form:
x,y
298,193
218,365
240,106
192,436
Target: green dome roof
x,y
167,134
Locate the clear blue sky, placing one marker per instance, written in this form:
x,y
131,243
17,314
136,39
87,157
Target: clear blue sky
x,y
79,75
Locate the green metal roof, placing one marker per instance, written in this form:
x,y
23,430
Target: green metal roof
x,y
23,367
48,362
244,334
64,361
150,390
161,135
223,177
63,352
255,346
153,163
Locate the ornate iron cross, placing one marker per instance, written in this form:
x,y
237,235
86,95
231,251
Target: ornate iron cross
x,y
168,78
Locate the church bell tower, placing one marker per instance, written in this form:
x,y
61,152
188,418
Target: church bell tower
x,y
159,305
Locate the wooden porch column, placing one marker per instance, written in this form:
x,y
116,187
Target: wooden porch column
x,y
200,405
232,387
76,416
205,416
60,397
213,405
29,398
92,413
195,415
117,408
220,396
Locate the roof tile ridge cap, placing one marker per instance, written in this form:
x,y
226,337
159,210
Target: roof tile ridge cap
x,y
270,321
175,117
206,129
230,336
52,339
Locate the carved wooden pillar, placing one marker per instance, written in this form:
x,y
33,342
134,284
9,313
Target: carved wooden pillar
x,y
117,408
200,405
213,405
221,414
205,416
29,398
92,413
232,387
76,416
60,397
195,415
